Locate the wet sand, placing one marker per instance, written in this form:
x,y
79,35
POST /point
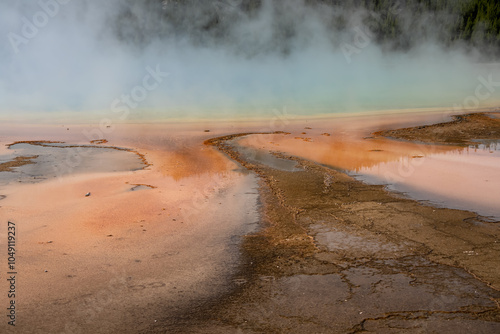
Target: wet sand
x,y
258,243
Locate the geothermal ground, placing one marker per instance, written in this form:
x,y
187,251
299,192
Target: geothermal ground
x,y
279,238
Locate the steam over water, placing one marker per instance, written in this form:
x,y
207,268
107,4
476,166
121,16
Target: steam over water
x,y
90,58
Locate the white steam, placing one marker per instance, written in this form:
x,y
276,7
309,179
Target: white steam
x,y
79,57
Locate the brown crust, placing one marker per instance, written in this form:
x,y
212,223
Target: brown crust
x,y
462,130
17,162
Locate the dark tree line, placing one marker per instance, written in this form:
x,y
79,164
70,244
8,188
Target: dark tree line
x,y
475,22
396,24
480,19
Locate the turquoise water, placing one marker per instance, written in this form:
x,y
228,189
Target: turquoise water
x,y
99,74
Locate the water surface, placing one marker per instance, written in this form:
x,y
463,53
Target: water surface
x,y
463,178
61,159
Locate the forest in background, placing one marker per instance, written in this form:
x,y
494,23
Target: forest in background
x,y
476,22
396,24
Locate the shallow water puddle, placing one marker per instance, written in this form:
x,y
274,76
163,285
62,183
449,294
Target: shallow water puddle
x,y
264,157
445,175
59,159
464,178
138,187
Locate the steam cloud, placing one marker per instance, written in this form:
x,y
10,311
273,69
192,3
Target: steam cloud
x,y
223,58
